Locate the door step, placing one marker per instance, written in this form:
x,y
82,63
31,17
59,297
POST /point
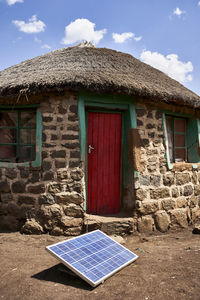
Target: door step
x,y
108,224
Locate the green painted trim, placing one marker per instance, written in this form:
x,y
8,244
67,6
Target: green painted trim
x,y
178,115
89,97
132,114
108,105
92,102
169,164
38,159
82,131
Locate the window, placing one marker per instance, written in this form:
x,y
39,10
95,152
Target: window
x,y
176,136
20,136
182,138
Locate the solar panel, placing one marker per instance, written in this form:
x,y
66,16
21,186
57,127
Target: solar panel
x,y
93,256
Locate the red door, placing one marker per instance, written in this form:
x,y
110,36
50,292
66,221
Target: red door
x,y
104,143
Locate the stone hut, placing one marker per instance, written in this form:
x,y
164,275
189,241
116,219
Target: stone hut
x,y
94,138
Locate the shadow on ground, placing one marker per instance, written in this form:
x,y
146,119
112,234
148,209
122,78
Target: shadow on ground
x,y
55,274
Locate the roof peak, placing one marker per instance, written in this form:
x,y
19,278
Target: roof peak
x,y
85,44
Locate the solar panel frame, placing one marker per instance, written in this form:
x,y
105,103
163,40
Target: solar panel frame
x,y
93,257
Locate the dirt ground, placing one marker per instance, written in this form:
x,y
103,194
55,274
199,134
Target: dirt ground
x,y
168,267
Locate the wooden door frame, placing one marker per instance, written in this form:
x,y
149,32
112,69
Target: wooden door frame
x,y
89,101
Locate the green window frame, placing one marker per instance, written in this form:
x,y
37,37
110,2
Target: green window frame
x,y
8,163
191,135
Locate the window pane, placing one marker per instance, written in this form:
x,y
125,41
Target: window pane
x,y
180,154
27,153
8,119
8,136
8,152
27,136
28,119
179,140
180,125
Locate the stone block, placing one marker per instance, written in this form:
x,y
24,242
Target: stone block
x,y
73,118
48,176
55,188
160,193
76,174
71,222
144,179
168,179
68,197
73,231
182,178
162,220
149,207
195,214
73,108
140,112
188,190
56,231
31,227
181,202
141,194
61,163
63,175
36,189
168,204
18,187
197,190
70,137
74,164
11,173
73,127
35,177
46,165
26,200
4,187
155,180
73,210
178,218
46,199
58,154
73,145
193,202
145,224
175,192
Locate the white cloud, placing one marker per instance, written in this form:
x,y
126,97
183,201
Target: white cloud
x,y
121,38
169,64
32,26
178,12
46,46
198,3
11,2
82,30
138,38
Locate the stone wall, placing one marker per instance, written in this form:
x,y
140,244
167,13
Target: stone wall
x,y
47,198
50,198
164,198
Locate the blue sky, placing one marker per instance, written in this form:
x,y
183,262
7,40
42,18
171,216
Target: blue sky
x,y
163,33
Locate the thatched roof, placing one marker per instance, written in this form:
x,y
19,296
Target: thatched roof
x,y
97,70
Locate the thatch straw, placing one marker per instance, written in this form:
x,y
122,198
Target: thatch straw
x,y
92,69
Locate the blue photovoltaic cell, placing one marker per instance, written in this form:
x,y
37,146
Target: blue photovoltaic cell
x,y
93,256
